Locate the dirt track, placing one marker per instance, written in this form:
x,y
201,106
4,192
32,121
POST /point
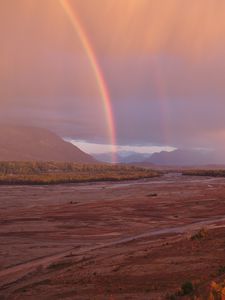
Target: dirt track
x,y
108,240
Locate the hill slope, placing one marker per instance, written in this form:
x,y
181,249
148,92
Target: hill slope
x,y
20,143
181,158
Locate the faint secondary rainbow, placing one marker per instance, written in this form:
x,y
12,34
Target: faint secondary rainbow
x,y
102,86
161,90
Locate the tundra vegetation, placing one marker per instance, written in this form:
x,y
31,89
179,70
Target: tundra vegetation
x,y
204,172
35,172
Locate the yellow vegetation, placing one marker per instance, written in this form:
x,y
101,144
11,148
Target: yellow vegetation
x,y
56,172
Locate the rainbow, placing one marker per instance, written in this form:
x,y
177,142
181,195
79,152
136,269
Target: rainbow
x,y
102,86
161,90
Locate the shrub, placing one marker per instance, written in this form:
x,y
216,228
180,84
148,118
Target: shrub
x,y
201,234
187,288
221,270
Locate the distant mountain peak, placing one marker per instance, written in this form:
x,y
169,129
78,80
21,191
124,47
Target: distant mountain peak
x,y
180,157
122,157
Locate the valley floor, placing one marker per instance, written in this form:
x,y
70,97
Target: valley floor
x,y
128,240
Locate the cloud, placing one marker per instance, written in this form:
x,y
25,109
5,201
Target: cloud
x,y
163,63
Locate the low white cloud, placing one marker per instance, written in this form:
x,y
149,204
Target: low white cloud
x,y
93,148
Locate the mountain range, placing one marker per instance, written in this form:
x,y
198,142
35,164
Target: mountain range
x,y
181,157
21,143
124,157
178,157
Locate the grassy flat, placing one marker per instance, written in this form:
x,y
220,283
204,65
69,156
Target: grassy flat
x,y
57,172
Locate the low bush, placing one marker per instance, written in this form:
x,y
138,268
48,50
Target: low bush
x,y
201,234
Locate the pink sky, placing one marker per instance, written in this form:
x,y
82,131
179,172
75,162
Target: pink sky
x,y
163,62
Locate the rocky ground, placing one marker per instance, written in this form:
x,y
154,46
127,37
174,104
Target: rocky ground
x,y
160,238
